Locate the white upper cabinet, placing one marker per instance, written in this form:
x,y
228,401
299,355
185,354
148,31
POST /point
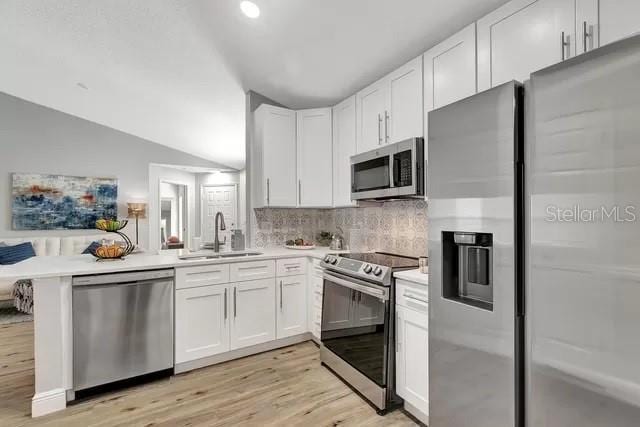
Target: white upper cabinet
x,y
618,19
315,158
344,146
390,110
587,27
524,36
371,104
450,70
274,160
403,117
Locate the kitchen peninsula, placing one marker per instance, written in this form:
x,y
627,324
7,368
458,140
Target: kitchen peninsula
x,y
234,281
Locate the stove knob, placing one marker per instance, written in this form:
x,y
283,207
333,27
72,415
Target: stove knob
x,y
333,260
367,268
377,271
327,258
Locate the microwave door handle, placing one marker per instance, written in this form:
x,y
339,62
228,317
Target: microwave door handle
x,y
397,170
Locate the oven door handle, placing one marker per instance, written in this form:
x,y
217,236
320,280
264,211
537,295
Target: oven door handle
x,y
358,285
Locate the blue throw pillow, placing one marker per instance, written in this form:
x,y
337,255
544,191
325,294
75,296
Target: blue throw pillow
x,y
14,254
91,248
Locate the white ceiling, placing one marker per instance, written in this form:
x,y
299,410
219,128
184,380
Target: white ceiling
x,y
175,71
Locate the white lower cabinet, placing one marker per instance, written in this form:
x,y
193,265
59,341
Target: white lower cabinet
x,y
253,313
202,326
412,345
291,298
314,298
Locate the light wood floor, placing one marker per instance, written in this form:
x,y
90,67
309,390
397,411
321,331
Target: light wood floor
x,y
285,387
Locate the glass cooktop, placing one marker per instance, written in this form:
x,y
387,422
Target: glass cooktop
x,y
384,259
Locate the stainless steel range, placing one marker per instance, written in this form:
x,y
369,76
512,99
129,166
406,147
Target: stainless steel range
x,y
358,328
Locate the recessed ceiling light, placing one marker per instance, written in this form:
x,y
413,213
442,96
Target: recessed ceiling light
x,y
250,9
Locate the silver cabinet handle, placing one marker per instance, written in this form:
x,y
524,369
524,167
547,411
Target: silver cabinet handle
x,y
300,192
359,297
225,303
353,296
280,295
587,33
235,302
398,341
386,126
566,42
268,192
379,131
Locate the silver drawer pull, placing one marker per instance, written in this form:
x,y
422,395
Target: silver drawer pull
x,y
415,298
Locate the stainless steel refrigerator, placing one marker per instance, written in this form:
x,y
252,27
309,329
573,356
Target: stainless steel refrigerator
x,y
535,252
475,260
583,285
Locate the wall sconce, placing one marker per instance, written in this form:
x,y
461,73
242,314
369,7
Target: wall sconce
x,y
137,211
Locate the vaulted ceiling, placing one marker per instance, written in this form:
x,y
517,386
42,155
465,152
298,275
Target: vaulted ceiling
x,y
175,71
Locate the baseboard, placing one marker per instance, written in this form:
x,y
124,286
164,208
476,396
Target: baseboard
x,y
48,402
241,352
416,413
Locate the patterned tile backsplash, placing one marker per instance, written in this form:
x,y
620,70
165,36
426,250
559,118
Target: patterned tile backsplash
x,y
396,226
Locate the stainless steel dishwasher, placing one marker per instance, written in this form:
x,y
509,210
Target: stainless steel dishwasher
x,y
122,326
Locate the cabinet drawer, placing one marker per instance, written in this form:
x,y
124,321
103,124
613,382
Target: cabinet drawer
x,y
193,277
412,295
291,267
254,270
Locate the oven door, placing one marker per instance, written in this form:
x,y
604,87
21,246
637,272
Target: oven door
x,y
355,324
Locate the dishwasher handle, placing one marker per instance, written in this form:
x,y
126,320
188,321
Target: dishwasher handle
x,y
123,278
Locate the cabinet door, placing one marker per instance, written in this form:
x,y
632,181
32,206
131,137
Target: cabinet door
x,y
370,104
524,36
450,70
315,172
618,19
344,146
253,312
369,310
412,357
278,151
202,326
292,306
587,25
404,112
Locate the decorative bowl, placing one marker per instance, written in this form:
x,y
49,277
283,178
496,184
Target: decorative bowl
x,y
111,225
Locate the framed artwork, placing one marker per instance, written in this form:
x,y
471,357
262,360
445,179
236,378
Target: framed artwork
x,y
59,202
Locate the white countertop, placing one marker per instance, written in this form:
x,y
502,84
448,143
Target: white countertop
x,y
413,276
59,266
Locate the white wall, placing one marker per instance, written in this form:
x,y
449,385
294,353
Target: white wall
x,y
36,139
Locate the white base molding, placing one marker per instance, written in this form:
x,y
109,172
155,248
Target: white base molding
x,y
48,402
241,352
418,414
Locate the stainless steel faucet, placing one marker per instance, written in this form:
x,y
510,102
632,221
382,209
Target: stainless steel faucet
x,y
216,241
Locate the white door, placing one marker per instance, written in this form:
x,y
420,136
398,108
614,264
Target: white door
x,y
291,296
344,146
403,117
412,357
369,310
253,313
215,199
315,158
524,36
202,322
279,157
371,103
618,19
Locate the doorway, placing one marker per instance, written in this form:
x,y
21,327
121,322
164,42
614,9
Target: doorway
x,y
219,198
173,215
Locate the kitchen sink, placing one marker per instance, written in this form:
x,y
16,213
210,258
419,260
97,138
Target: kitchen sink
x,y
213,255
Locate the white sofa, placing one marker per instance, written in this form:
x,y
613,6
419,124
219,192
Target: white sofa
x,y
50,246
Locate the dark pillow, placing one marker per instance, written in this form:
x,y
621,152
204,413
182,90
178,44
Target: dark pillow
x,y
91,248
14,254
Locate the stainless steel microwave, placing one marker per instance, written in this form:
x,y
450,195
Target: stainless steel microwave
x,y
393,171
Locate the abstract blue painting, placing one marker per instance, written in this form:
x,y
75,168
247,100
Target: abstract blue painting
x,y
58,202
